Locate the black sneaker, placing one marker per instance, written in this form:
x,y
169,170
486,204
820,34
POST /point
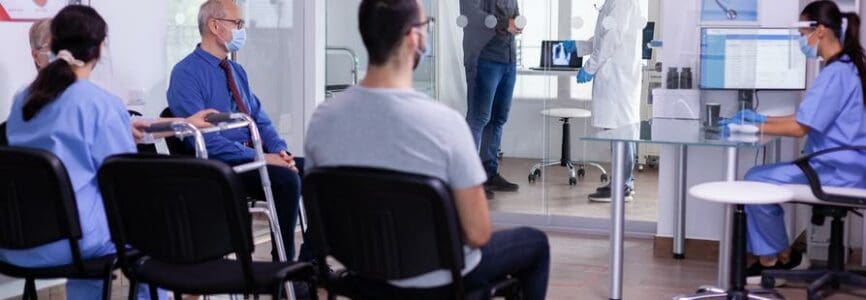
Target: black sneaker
x,y
798,262
497,183
604,188
603,195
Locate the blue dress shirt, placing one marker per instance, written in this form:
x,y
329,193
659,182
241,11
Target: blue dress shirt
x,y
197,83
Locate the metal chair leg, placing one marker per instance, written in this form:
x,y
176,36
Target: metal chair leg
x,y
154,293
30,289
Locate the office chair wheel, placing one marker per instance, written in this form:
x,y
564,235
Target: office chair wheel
x,y
768,282
581,173
641,168
572,181
531,178
604,178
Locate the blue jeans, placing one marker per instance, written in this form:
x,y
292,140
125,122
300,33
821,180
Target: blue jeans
x,y
522,253
630,152
488,109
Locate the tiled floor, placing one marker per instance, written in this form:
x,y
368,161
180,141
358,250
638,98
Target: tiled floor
x,y
579,271
552,193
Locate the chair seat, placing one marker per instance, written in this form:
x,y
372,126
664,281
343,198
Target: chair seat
x,y
93,269
220,276
567,113
803,194
741,192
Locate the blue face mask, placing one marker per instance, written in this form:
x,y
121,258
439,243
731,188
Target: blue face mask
x,y
809,51
239,39
422,52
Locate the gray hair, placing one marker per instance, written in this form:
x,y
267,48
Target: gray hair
x,y
40,34
211,9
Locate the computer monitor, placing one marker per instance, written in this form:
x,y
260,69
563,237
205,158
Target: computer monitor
x,y
556,55
648,36
751,59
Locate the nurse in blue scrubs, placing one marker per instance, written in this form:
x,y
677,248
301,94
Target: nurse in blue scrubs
x,y
831,115
82,124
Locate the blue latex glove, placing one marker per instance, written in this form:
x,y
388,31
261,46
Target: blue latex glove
x,y
584,77
570,46
749,116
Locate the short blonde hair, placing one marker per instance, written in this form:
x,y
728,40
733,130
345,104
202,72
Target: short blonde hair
x,y
40,34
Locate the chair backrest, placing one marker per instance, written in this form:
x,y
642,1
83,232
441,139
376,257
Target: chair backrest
x,y
383,225
4,139
175,145
176,210
37,202
804,163
142,148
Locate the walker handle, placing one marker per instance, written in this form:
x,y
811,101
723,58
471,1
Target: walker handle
x,y
218,118
160,127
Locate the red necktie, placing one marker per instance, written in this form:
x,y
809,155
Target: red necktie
x,y
236,94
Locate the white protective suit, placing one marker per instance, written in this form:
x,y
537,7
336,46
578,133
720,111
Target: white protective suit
x,y
615,54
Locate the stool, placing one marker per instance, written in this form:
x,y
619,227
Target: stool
x,y
738,193
565,115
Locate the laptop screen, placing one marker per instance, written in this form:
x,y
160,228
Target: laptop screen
x,y
560,54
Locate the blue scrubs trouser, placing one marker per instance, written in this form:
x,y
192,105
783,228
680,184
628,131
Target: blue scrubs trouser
x,y
766,232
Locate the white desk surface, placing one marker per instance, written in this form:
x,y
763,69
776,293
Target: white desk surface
x,y
528,71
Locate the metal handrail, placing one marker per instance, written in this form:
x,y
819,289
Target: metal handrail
x,y
356,63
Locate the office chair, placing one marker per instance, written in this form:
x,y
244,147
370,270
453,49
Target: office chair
x,y
38,207
565,115
384,225
835,203
184,216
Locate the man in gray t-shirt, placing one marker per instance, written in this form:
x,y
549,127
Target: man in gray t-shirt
x,y
385,124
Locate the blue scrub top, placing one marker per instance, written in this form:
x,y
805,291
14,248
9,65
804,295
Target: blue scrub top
x,y
834,111
82,127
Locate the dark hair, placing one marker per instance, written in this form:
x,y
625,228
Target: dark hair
x,y
827,13
383,24
79,30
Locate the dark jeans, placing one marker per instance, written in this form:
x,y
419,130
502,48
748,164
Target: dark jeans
x,y
286,187
488,109
523,253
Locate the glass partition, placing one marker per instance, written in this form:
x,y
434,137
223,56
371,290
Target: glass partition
x,y
531,150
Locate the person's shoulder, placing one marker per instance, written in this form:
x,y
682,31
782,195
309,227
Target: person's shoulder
x,y
93,96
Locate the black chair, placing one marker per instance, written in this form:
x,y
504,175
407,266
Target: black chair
x,y
175,145
833,205
383,225
142,148
4,139
37,207
185,216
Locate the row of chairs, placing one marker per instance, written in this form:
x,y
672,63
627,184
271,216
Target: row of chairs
x,y
170,234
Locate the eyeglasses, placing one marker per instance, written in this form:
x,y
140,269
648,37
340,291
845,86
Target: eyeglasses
x,y
239,23
429,23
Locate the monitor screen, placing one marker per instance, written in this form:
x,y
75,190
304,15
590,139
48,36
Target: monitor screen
x,y
560,54
745,58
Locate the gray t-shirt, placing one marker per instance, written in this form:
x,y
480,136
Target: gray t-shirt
x,y
399,130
